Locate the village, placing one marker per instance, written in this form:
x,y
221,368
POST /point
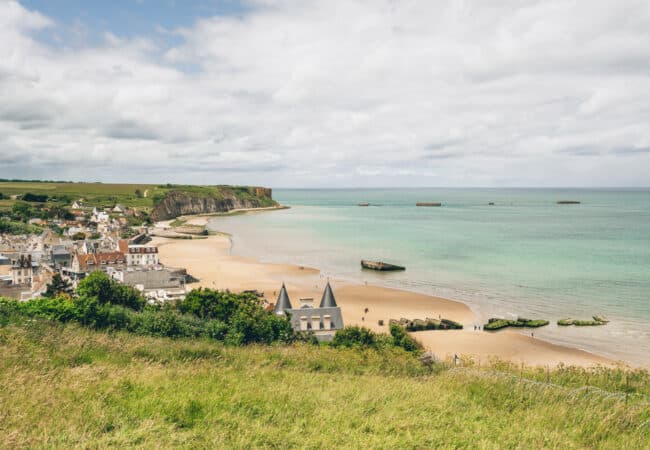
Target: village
x,y
117,240
87,240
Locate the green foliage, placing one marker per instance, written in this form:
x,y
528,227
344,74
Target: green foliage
x,y
22,211
103,303
121,390
106,290
39,198
211,304
497,324
58,286
360,337
402,339
355,336
16,228
58,212
79,236
247,320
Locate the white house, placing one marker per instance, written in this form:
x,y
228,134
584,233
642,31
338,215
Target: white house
x,y
22,270
139,255
100,216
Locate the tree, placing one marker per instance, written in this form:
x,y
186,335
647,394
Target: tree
x,y
80,236
106,290
58,286
354,336
40,198
22,211
211,304
138,193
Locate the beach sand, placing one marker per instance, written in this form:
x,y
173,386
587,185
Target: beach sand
x,y
210,261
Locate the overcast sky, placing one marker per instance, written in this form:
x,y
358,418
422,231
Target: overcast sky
x,y
327,93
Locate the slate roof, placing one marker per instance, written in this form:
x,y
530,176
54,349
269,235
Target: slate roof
x,y
328,300
283,302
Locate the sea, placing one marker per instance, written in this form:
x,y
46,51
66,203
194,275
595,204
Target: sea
x,y
504,252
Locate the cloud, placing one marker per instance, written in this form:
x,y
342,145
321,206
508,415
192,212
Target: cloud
x,y
339,93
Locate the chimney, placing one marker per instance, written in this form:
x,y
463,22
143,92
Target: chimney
x,y
307,302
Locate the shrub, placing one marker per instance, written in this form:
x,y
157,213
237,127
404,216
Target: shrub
x,y
354,336
40,198
107,290
402,339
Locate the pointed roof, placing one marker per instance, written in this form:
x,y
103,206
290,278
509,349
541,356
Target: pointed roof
x,y
328,300
283,301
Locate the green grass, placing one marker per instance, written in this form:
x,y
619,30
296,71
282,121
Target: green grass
x,y
65,386
109,194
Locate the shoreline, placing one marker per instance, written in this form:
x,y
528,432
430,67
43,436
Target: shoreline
x,y
210,260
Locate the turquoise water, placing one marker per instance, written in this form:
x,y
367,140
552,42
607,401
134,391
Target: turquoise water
x,y
525,255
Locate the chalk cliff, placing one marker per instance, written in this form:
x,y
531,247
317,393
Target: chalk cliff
x,y
220,199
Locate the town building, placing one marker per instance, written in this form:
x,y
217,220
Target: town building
x,y
322,321
90,262
59,256
156,284
22,271
139,255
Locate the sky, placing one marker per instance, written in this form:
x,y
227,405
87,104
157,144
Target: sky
x,y
327,93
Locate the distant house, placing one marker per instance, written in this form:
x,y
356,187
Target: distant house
x,y
22,270
322,321
77,205
100,216
60,256
139,255
119,209
90,262
156,284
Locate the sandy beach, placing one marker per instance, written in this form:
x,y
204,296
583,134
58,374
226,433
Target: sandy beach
x,y
210,260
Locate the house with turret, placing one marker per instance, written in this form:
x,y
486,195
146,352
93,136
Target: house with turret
x,y
323,321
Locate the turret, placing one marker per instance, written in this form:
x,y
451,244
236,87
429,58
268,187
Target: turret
x,y
328,300
283,303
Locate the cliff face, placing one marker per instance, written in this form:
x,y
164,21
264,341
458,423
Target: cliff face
x,y
185,203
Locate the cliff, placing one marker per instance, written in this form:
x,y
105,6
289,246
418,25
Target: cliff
x,y
211,200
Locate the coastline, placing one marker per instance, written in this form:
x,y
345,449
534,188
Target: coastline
x,y
210,260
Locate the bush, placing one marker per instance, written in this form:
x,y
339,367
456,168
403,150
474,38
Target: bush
x,y
354,336
106,290
210,304
402,339
39,198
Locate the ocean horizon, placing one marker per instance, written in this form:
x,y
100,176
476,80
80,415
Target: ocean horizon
x,y
504,252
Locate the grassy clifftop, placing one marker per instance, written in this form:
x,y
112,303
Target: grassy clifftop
x,y
66,386
138,195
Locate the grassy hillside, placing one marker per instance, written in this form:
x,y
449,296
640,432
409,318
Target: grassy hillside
x,y
101,194
66,386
